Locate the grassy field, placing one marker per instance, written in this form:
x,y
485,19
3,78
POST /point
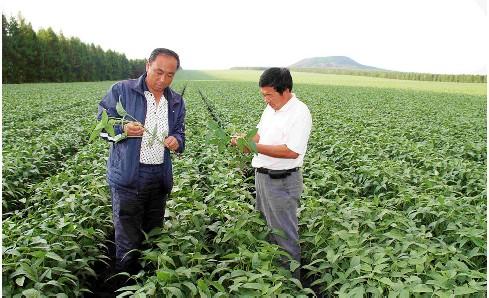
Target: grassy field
x,y
394,202
340,80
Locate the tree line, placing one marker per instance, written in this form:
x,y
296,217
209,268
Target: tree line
x,y
45,56
398,75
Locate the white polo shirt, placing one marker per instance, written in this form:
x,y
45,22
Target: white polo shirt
x,y
290,126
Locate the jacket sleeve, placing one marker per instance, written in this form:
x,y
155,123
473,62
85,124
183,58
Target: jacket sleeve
x,y
108,104
179,132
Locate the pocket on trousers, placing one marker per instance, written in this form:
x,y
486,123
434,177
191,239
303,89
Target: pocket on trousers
x,y
294,186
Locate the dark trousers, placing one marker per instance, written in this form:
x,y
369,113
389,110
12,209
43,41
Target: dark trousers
x,y
134,211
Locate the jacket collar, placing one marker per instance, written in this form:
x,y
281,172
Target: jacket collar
x,y
169,94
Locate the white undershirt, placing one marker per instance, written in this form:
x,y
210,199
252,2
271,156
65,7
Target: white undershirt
x,y
290,126
156,115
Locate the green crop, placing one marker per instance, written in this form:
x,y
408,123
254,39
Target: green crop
x,y
394,201
217,131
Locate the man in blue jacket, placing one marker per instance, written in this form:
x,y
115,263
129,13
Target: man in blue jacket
x,y
139,170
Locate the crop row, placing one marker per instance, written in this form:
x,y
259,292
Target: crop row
x,y
51,246
37,146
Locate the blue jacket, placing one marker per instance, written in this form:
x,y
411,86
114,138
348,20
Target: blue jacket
x,y
123,163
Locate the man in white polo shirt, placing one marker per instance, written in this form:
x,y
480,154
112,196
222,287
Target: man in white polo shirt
x,y
281,142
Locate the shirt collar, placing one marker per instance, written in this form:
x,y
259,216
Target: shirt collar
x,y
288,104
145,86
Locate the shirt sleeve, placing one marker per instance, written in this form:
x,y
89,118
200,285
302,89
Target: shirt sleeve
x,y
261,120
299,131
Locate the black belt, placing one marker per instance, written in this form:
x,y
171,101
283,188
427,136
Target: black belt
x,y
277,174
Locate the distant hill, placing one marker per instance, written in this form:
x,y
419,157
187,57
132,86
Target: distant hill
x,y
342,65
337,62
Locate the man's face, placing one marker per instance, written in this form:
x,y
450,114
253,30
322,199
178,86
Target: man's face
x,y
160,72
273,98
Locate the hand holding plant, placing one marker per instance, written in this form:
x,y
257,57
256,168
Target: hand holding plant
x,y
134,129
243,142
131,128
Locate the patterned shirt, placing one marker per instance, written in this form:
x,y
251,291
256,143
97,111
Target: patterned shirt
x,y
156,120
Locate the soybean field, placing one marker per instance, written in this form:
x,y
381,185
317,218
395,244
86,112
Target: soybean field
x,y
394,201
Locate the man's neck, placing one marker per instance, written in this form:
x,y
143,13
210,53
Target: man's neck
x,y
287,97
157,95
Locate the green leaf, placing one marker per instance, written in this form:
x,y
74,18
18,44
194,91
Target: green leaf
x,y
274,288
251,133
255,260
296,282
294,265
100,126
31,293
54,256
464,290
357,292
20,281
109,128
216,135
354,262
404,293
191,287
421,288
175,291
387,281
218,286
120,109
279,232
163,275
187,272
253,285
105,118
55,283
203,288
241,143
120,137
252,147
95,133
130,288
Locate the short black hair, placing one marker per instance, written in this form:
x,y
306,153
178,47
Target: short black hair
x,y
278,78
163,51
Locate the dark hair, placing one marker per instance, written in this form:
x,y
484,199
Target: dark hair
x,y
163,51
278,78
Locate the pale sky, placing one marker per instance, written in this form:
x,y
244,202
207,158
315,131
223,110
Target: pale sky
x,y
437,36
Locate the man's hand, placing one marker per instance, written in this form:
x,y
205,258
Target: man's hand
x,y
171,143
234,141
133,129
235,137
